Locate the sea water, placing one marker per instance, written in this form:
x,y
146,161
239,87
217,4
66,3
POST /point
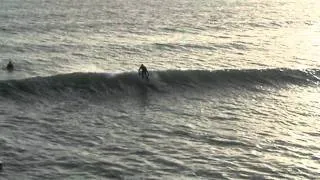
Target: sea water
x,y
233,93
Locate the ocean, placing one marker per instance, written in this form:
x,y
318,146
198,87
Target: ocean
x,y
233,92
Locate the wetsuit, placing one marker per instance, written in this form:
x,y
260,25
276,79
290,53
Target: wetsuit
x,y
144,72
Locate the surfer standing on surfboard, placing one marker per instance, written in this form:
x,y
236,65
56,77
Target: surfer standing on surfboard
x,y
143,72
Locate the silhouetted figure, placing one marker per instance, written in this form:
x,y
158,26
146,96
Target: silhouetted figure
x,y
10,66
143,72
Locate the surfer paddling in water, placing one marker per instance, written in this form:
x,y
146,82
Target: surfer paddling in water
x,y
143,72
9,66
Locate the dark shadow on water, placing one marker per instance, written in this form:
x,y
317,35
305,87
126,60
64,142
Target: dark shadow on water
x,y
143,97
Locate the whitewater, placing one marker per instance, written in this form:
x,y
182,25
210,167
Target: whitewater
x,y
234,89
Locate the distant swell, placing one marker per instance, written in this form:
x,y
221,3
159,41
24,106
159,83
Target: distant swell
x,y
160,81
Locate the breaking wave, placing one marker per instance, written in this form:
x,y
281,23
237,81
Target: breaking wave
x,y
160,81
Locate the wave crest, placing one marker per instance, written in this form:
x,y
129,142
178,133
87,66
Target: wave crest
x,y
160,81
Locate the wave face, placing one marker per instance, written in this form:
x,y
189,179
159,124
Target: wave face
x,y
103,84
